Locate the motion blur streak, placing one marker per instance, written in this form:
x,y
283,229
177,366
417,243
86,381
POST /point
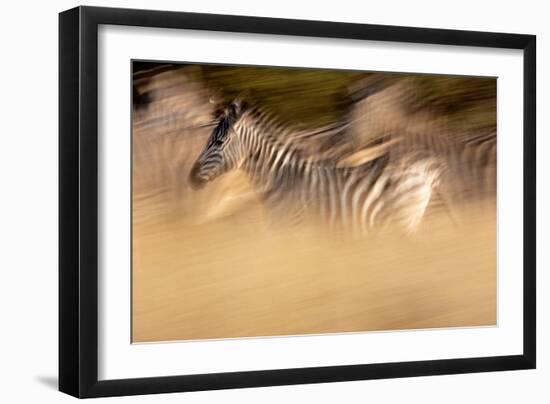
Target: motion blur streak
x,y
218,262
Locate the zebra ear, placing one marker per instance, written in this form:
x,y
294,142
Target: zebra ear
x,y
240,102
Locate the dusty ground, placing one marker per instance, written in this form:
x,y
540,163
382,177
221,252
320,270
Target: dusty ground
x,y
235,278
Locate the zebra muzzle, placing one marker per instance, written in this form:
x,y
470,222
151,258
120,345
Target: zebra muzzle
x,y
196,180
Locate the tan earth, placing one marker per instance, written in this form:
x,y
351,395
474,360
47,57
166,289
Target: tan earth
x,y
236,278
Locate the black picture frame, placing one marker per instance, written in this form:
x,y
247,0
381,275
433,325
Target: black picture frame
x,y
78,201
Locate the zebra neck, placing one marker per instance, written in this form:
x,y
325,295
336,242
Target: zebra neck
x,y
271,165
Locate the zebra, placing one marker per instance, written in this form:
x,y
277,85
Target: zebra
x,y
361,198
469,176
387,111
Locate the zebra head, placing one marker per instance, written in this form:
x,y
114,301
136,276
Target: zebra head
x,y
223,151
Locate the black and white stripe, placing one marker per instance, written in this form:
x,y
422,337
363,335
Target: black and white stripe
x,y
291,183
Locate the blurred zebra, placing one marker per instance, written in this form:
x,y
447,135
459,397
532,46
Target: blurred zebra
x,y
470,163
474,168
385,112
361,198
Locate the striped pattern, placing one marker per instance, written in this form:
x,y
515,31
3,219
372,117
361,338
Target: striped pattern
x,y
391,114
295,185
470,169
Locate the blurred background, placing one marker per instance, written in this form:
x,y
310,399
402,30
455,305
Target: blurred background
x,y
208,264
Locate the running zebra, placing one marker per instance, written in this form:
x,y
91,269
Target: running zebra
x,y
392,112
360,198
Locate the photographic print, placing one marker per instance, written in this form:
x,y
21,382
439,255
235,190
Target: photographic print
x,y
278,201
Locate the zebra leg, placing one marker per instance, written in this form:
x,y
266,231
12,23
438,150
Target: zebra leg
x,y
285,213
411,209
410,195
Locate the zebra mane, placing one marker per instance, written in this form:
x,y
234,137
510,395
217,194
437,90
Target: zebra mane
x,y
295,137
329,145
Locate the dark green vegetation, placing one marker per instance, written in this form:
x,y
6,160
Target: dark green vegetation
x,y
313,97
468,102
316,97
